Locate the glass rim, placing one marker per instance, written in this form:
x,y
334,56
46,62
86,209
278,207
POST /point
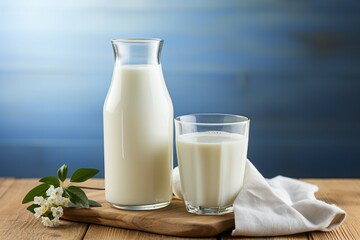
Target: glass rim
x,y
241,119
137,40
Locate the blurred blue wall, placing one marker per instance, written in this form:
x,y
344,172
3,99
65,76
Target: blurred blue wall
x,y
293,67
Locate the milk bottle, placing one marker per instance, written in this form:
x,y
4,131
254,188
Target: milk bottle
x,y
138,128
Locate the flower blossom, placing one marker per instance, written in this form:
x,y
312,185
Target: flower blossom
x,y
37,211
50,191
50,208
39,200
44,208
51,200
57,212
64,202
47,222
57,192
55,222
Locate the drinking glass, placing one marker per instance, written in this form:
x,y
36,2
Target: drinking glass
x,y
211,152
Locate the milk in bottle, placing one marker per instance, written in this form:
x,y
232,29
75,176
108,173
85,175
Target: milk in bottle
x,y
138,128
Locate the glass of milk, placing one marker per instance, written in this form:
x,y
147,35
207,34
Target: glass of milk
x,y
211,152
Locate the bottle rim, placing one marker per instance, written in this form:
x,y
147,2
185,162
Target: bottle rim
x,y
137,40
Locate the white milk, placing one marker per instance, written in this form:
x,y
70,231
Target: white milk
x,y
138,128
212,167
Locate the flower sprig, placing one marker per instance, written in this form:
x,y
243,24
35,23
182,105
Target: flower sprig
x,y
53,194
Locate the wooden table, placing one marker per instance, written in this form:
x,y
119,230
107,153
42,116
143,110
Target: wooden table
x,y
17,223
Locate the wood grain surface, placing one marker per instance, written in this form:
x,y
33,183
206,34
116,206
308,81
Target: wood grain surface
x,y
172,220
96,232
17,223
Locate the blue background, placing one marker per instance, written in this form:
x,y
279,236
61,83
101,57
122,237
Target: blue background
x,y
293,67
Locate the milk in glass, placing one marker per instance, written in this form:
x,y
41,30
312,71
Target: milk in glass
x,y
211,167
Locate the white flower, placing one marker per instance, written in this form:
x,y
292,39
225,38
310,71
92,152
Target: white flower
x,y
44,208
64,202
39,200
55,222
50,191
58,201
57,193
37,213
57,212
51,200
47,222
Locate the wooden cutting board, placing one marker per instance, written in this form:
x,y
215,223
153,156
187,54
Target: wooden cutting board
x,y
172,220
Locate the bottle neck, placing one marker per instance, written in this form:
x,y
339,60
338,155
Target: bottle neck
x,y
137,51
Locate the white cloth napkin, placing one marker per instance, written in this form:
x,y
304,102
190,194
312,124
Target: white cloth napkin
x,y
277,206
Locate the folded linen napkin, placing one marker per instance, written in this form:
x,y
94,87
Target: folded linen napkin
x,y
277,206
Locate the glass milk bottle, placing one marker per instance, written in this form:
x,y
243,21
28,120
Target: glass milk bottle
x,y
138,128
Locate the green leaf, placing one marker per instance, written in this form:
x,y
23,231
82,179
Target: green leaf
x,y
83,174
77,196
36,191
62,172
71,205
32,207
51,181
93,203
